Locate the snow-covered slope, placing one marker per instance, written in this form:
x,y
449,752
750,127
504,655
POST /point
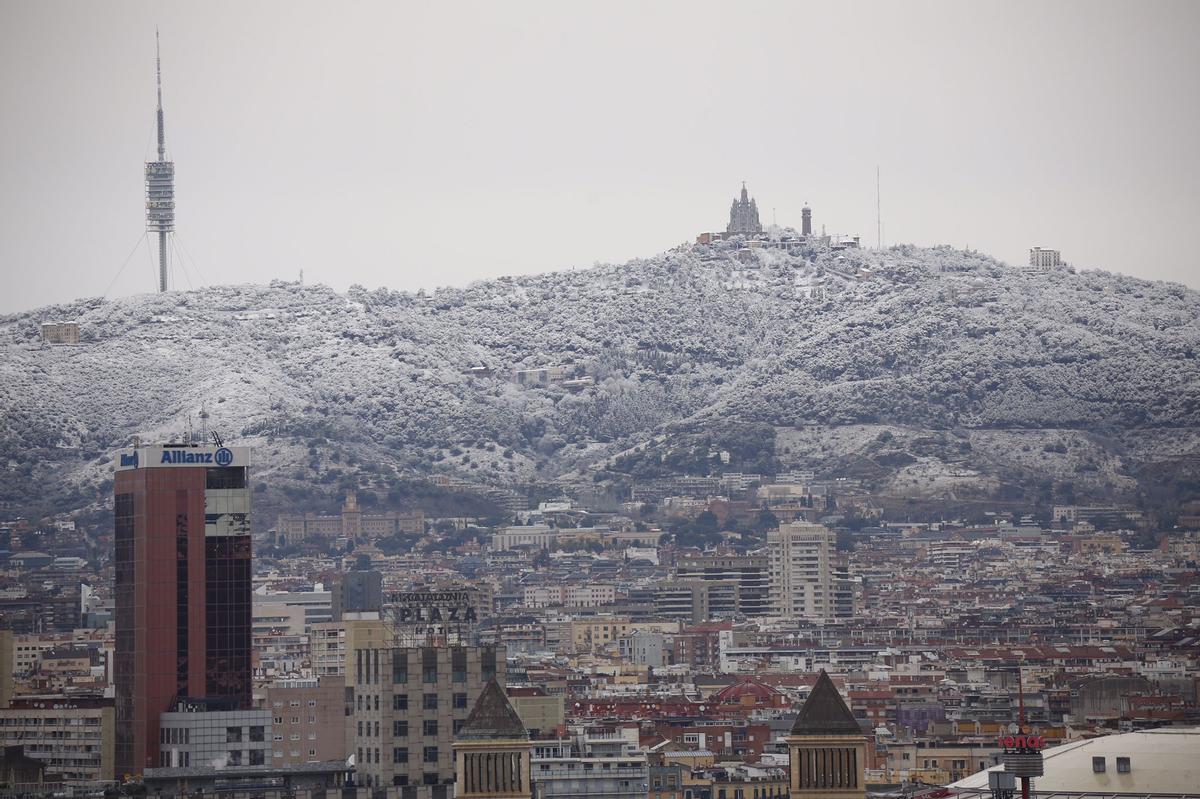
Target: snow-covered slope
x,y
935,344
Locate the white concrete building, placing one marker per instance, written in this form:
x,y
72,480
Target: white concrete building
x,y
802,564
1163,763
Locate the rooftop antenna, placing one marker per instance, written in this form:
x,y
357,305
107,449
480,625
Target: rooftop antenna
x,y
203,422
160,184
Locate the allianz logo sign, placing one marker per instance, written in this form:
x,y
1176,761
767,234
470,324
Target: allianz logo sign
x,y
222,457
175,457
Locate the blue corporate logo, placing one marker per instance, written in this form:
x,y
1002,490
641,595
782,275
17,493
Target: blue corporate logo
x,y
224,457
129,460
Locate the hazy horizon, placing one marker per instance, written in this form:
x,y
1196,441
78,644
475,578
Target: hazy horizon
x,y
413,147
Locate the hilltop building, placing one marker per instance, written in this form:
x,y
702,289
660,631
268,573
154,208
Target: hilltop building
x,y
352,523
743,215
182,586
60,332
1043,260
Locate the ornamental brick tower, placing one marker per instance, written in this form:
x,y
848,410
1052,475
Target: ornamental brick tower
x,y
492,750
827,748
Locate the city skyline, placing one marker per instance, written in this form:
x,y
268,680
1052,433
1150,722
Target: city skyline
x,y
413,149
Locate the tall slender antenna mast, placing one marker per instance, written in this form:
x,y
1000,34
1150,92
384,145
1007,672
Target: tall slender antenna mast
x,y
160,184
878,218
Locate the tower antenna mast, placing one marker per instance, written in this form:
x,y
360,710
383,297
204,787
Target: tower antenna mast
x,y
160,183
878,218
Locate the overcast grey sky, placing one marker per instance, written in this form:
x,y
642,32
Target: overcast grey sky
x,y
411,145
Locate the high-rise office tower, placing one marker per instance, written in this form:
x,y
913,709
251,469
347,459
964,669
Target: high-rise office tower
x,y
806,581
183,588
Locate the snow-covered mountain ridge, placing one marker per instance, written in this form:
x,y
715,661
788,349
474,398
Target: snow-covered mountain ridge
x,y
974,358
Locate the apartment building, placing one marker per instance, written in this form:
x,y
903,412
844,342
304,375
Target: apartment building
x,y
308,720
807,579
72,736
408,703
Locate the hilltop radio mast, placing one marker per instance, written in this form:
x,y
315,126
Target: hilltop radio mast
x,y
160,186
878,218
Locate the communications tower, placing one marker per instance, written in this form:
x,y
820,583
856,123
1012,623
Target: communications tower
x,y
160,186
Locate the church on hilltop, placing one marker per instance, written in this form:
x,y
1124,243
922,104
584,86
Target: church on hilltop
x,y
743,215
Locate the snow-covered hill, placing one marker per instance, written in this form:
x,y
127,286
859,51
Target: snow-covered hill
x,y
966,375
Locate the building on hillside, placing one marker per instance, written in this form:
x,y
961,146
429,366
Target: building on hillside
x,y
352,523
1041,260
827,751
60,332
743,215
492,751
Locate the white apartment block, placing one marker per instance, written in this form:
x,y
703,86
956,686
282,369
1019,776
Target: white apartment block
x,y
802,563
571,596
1042,260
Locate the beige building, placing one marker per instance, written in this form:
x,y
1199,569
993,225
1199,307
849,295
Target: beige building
x,y
594,633
804,572
60,332
352,523
540,712
408,705
308,720
73,736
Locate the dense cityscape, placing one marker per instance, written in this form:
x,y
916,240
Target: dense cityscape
x,y
776,513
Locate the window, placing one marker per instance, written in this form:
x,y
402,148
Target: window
x,y
360,729
460,701
1098,766
431,702
399,667
277,737
400,754
294,736
431,727
294,703
431,754
1122,765
312,719
233,735
312,736
312,703
234,757
400,702
399,729
458,725
429,666
257,757
458,664
278,719
312,752
256,734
